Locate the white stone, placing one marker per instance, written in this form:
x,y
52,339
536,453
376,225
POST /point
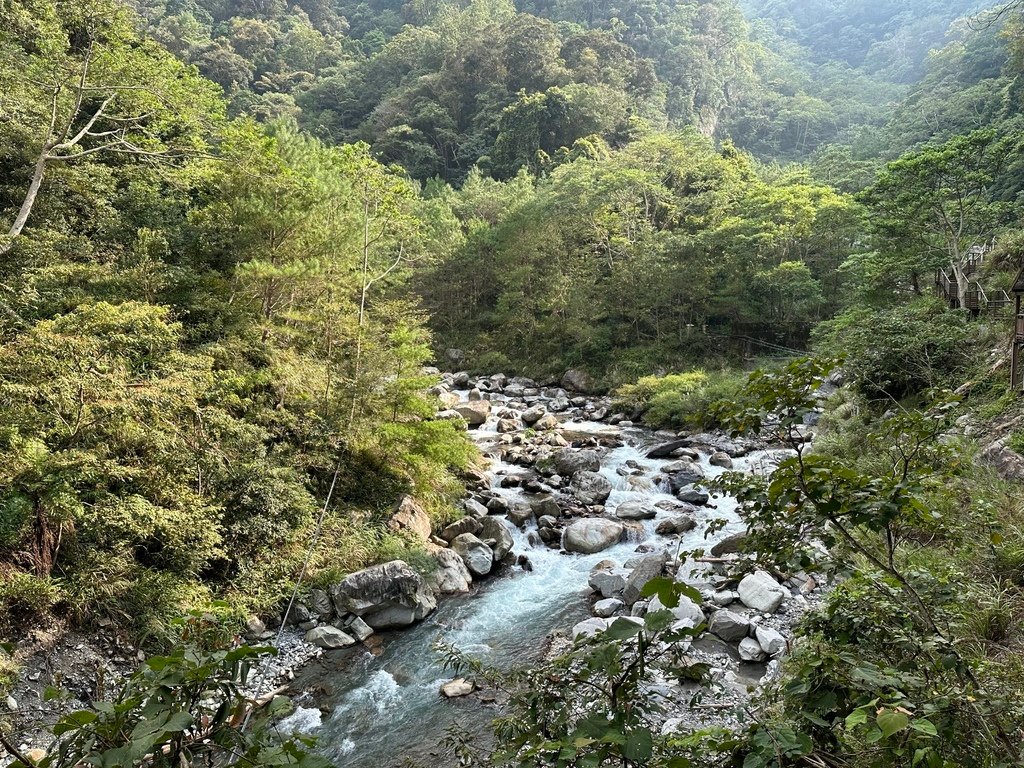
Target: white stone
x,y
329,637
457,687
750,650
772,642
591,534
605,608
589,628
761,592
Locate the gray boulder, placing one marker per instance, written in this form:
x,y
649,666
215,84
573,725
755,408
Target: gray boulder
x,y
461,526
474,412
577,381
761,592
635,510
750,650
721,459
591,534
589,628
389,594
729,626
730,545
451,577
568,461
685,477
609,582
496,529
648,568
590,488
358,628
607,608
532,415
693,496
672,526
687,610
328,637
666,449
320,603
478,557
772,642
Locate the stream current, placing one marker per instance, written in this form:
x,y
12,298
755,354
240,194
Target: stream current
x,y
385,710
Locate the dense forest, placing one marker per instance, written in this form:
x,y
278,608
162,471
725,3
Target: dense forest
x,y
237,236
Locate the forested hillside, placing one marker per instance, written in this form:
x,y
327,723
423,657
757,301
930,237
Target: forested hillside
x,y
239,239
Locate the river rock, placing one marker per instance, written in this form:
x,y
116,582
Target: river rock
x,y
385,595
686,610
545,507
320,603
721,459
532,415
693,496
607,608
474,412
497,506
453,689
451,577
461,526
497,529
478,557
729,626
666,449
730,545
577,381
546,422
568,461
590,488
750,650
589,628
761,592
519,515
357,628
591,535
672,526
635,510
328,637
410,516
474,508
771,641
687,476
649,567
724,597
609,582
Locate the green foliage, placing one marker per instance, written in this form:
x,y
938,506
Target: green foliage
x,y
677,400
180,709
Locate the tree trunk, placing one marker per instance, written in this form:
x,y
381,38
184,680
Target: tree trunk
x,y
26,206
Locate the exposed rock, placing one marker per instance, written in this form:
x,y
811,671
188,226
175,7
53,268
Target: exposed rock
x,y
750,650
357,628
635,510
519,515
686,610
385,595
255,628
589,628
328,637
761,592
453,689
730,545
546,422
451,577
508,425
475,395
590,488
478,557
721,459
648,568
320,603
569,461
498,506
666,449
693,496
1007,463
729,626
497,529
461,526
474,508
606,608
591,535
410,516
475,412
545,507
724,598
675,525
608,582
532,415
679,480
772,642
578,381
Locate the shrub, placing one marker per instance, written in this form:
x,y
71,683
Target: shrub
x,y
678,400
23,596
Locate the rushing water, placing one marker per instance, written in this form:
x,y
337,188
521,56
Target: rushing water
x,y
386,708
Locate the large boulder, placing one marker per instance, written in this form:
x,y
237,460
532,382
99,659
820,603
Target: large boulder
x,y
453,689
461,526
474,412
495,528
729,626
750,650
609,582
328,637
385,595
672,526
694,496
771,641
648,568
577,381
590,488
685,477
635,510
761,592
589,628
568,461
451,577
591,534
532,415
686,610
478,557
666,449
730,545
410,516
